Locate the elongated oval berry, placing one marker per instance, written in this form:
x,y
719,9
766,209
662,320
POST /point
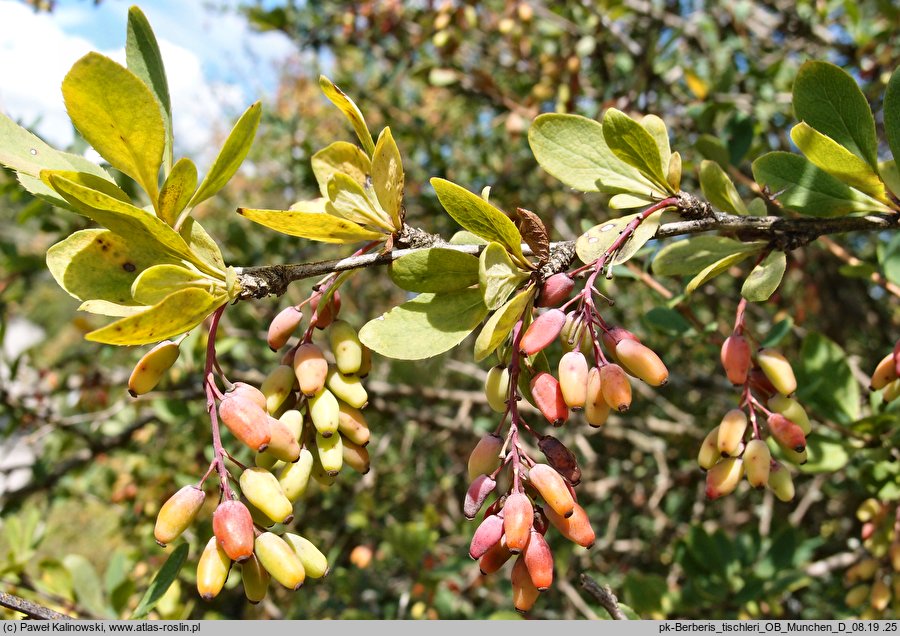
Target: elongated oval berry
x,y
323,316
325,412
314,562
560,458
724,477
761,384
786,433
345,346
280,560
282,443
555,290
642,362
540,333
525,594
778,370
348,388
736,358
294,478
311,368
255,580
615,387
249,392
731,432
283,326
573,375
576,528
485,457
478,491
246,421
757,461
151,368
330,452
293,420
880,596
857,596
496,388
277,386
494,558
355,456
552,488
791,409
352,424
548,398
518,517
233,527
264,460
365,365
612,337
212,570
596,410
709,450
891,391
487,534
884,374
177,514
262,489
780,482
539,561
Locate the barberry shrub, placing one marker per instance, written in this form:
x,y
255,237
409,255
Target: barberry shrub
x,y
539,311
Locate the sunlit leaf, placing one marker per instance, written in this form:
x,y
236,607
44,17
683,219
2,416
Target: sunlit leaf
x,y
164,578
315,226
892,114
596,241
765,278
202,244
500,324
157,282
634,145
825,380
718,188
435,270
690,256
711,271
498,275
351,111
340,156
387,176
657,129
177,190
349,200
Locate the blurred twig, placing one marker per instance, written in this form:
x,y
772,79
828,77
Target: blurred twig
x,y
30,608
603,595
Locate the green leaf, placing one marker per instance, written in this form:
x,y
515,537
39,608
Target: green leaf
x,y
435,270
89,181
28,156
167,575
719,189
892,114
657,129
596,241
340,156
500,324
87,586
348,200
689,256
315,226
825,454
889,259
634,145
177,190
179,312
628,201
498,275
479,217
351,111
118,115
124,219
711,271
828,99
667,321
202,244
765,278
158,281
714,149
777,333
231,156
808,189
837,161
466,238
425,326
890,174
572,149
100,265
825,381
143,57
387,176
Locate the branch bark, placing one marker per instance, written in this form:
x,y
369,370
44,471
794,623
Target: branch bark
x,y
603,595
31,609
785,234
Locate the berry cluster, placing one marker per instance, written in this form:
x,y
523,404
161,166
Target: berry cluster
x,y
736,447
876,579
303,421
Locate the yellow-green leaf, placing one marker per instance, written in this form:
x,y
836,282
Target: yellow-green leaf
x,y
348,200
711,271
837,161
315,226
633,144
500,324
351,111
890,174
340,156
596,241
628,201
118,115
387,176
765,278
689,256
177,190
719,189
436,270
202,245
179,312
107,308
231,156
657,129
479,217
498,275
97,264
892,114
90,181
157,282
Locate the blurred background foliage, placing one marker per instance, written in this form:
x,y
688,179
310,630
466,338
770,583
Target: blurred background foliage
x,y
84,468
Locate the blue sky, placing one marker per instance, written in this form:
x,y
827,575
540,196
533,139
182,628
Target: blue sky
x,y
216,64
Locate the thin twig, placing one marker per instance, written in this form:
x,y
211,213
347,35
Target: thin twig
x,y
603,595
30,608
